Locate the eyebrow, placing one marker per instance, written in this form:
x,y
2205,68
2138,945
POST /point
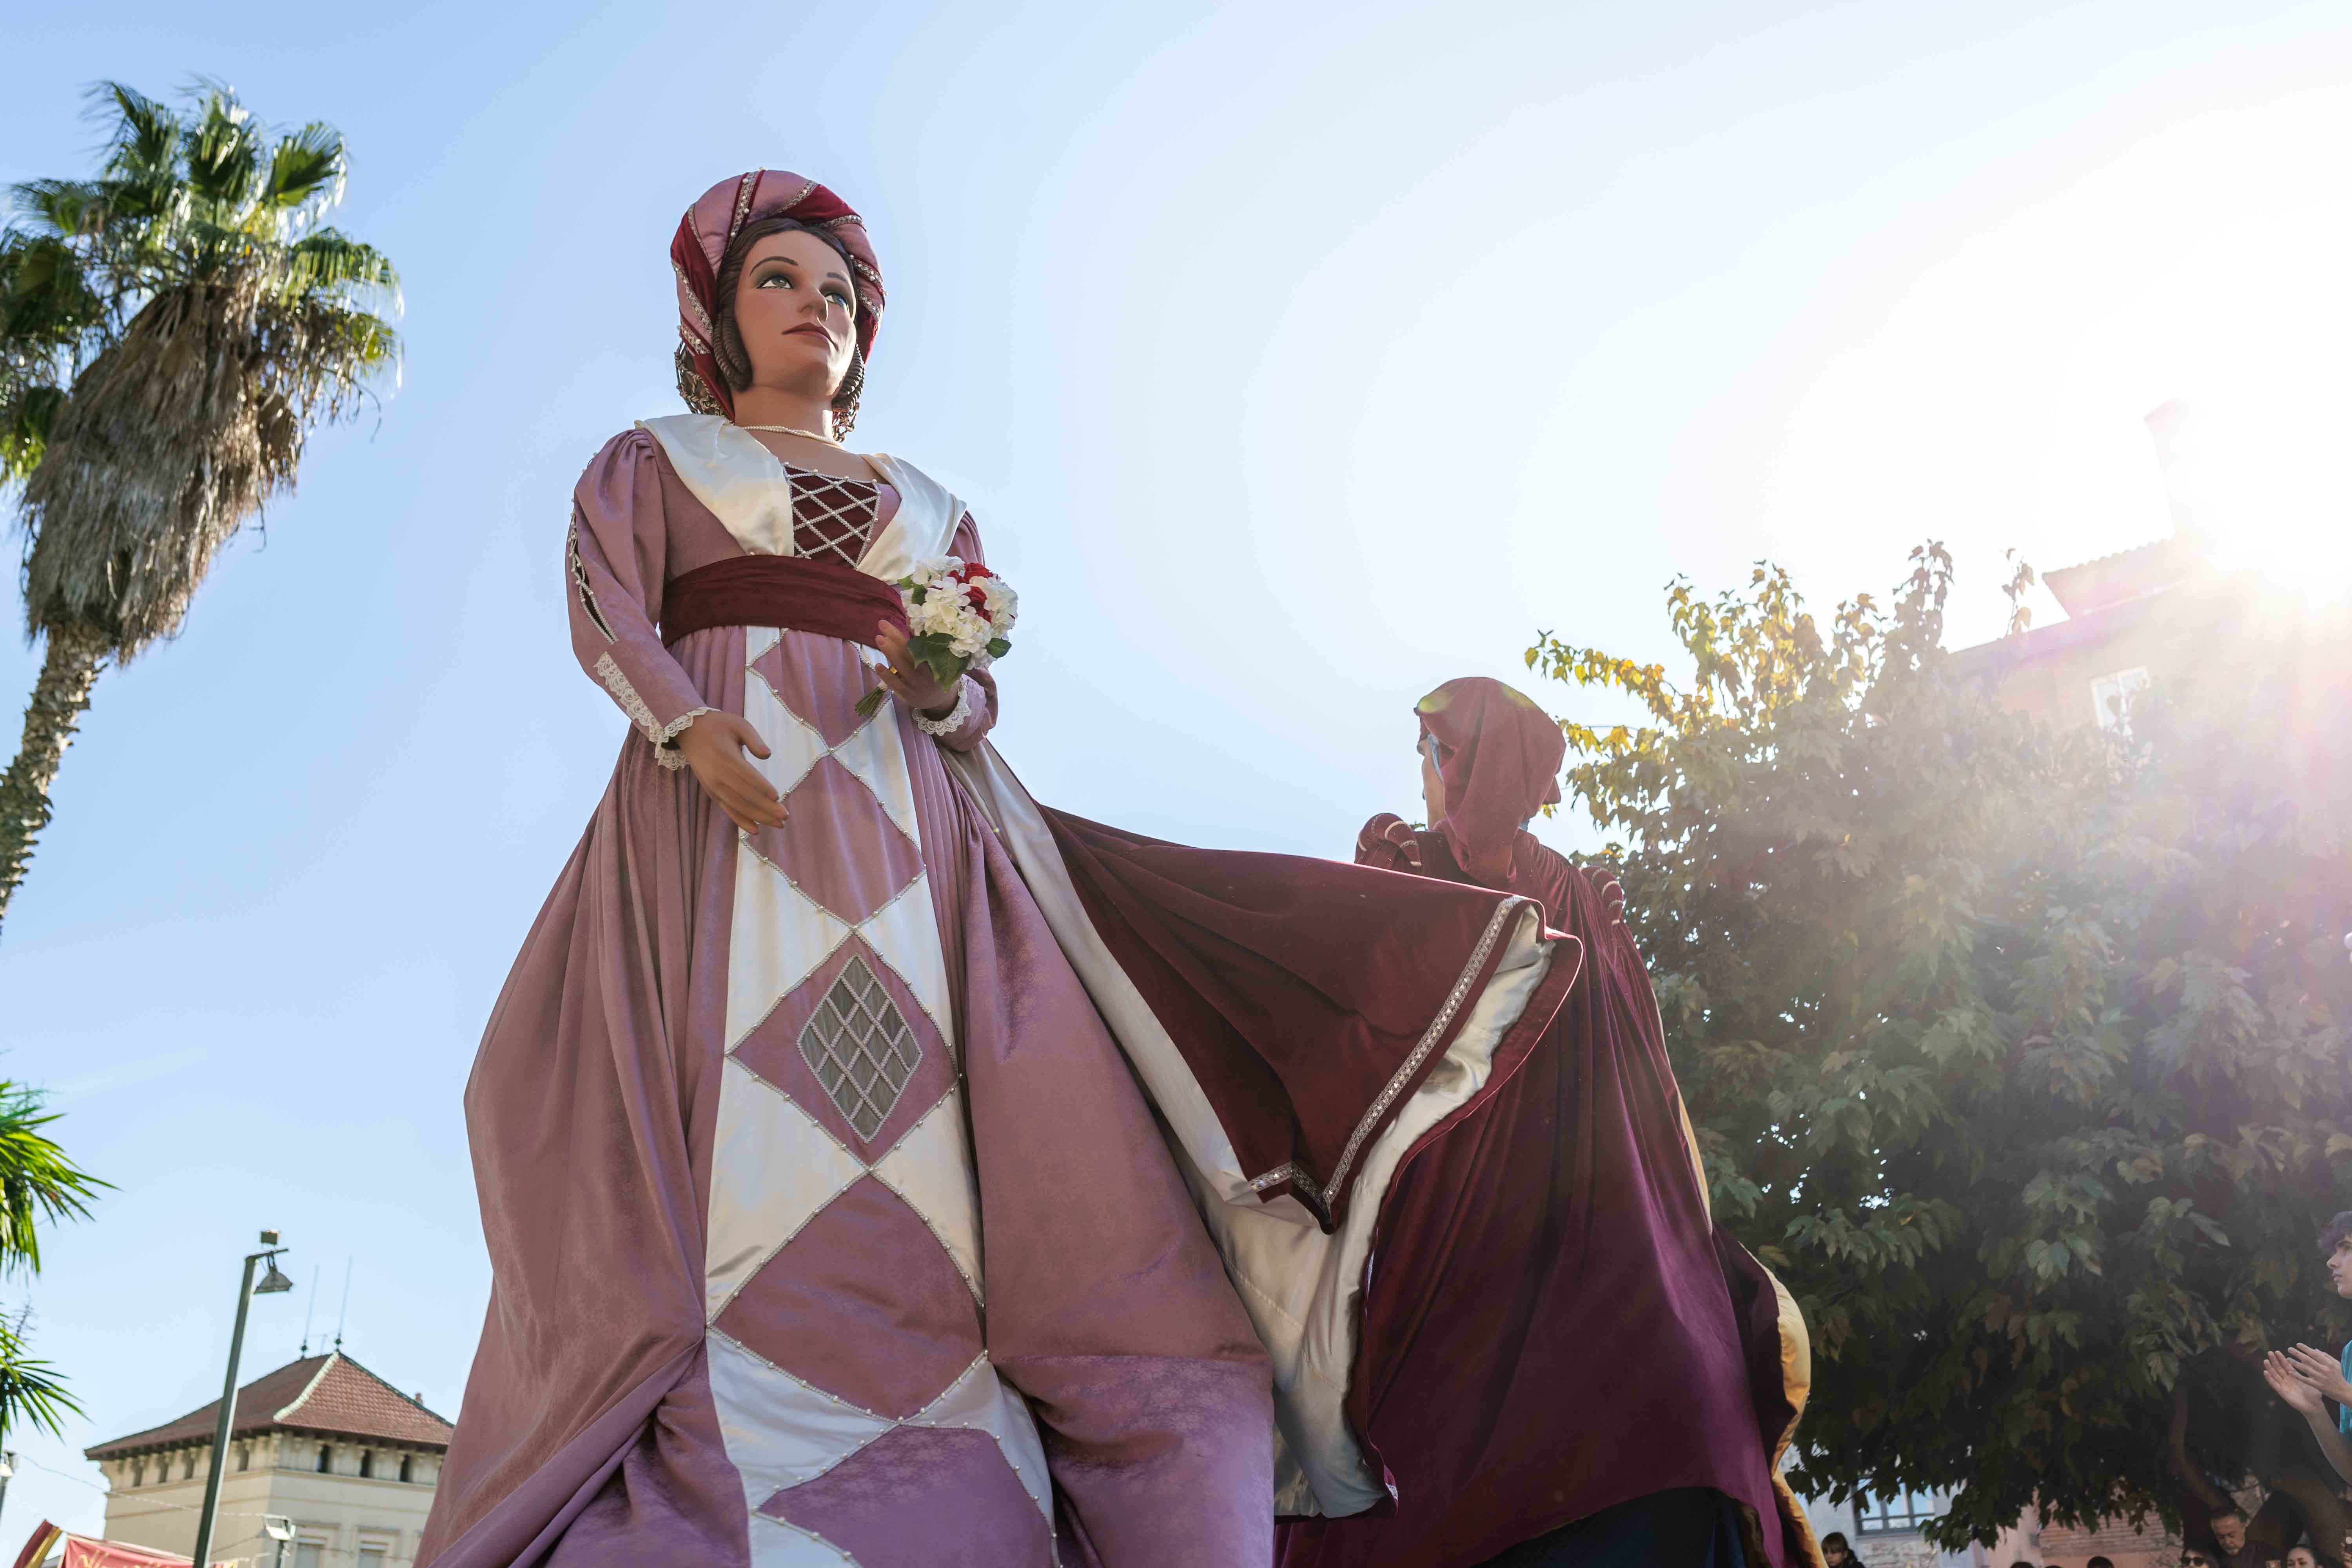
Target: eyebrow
x,y
788,261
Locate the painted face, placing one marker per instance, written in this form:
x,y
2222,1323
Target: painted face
x,y
797,313
2230,1531
1433,783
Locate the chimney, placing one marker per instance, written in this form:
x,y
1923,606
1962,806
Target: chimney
x,y
2177,427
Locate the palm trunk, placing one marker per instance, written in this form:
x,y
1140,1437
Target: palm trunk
x,y
68,669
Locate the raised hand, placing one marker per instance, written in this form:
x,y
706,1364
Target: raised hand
x,y
713,746
2280,1374
2322,1371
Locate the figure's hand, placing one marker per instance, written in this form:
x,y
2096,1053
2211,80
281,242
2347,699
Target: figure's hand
x,y
2279,1373
2321,1371
713,746
911,683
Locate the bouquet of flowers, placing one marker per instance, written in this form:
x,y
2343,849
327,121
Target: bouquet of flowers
x,y
957,615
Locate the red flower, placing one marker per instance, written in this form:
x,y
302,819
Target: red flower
x,y
977,598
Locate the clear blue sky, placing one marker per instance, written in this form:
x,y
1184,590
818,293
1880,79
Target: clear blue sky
x,y
1295,359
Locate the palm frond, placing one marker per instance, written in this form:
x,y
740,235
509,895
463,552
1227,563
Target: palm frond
x,y
146,134
308,165
329,261
45,298
62,209
38,1183
30,1393
26,415
221,151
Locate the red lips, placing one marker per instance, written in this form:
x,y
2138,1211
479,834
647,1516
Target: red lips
x,y
812,329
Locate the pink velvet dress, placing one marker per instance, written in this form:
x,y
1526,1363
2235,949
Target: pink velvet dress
x,y
828,1224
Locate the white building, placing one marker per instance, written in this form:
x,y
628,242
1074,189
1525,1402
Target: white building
x,y
323,1441
1885,1532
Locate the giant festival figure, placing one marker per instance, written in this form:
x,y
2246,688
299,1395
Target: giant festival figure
x,y
879,1168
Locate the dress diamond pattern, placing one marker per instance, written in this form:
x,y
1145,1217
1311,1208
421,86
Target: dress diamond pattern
x,y
745,1100
861,1049
844,1294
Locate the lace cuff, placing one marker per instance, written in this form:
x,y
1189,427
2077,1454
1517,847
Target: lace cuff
x,y
664,737
665,742
956,715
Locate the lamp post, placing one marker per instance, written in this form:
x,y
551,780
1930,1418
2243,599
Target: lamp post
x,y
278,1527
272,1284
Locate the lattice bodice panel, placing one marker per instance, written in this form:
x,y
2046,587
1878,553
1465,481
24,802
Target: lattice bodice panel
x,y
832,519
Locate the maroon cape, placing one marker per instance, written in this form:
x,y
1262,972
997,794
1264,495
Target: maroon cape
x,y
1554,1325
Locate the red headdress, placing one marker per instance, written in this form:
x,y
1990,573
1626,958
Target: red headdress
x,y
1500,756
703,234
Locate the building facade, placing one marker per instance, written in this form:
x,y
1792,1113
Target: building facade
x,y
322,1443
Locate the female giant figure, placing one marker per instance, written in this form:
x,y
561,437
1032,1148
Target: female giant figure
x,y
829,1219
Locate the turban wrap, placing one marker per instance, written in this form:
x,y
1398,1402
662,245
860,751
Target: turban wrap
x,y
1500,761
710,224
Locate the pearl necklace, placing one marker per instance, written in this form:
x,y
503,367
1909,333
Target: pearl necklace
x,y
791,430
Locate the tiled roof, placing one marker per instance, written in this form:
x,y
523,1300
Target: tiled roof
x,y
330,1394
2109,580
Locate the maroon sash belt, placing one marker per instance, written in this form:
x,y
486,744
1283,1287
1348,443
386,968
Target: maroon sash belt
x,y
789,590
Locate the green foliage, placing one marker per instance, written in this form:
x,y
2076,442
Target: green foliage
x,y
203,195
2019,1054
39,1184
30,1393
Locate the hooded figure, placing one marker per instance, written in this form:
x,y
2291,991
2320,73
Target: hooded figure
x,y
1562,1360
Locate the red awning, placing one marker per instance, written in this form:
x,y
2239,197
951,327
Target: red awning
x,y
83,1551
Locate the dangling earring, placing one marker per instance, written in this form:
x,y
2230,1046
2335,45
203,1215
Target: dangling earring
x,y
845,398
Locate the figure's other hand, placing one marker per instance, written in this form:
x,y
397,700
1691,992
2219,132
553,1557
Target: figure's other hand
x,y
2279,1373
1612,892
2322,1371
911,683
713,746
1388,842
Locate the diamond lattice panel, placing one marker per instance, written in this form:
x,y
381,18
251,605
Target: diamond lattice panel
x,y
858,1045
772,1049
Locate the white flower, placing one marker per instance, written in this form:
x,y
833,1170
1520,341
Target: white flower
x,y
1003,604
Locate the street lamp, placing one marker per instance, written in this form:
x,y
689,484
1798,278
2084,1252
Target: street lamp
x,y
278,1527
272,1284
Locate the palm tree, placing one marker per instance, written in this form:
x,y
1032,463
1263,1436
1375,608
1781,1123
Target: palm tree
x,y
175,329
38,1183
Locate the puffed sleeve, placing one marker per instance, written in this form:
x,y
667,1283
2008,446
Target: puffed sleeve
x,y
975,709
615,559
